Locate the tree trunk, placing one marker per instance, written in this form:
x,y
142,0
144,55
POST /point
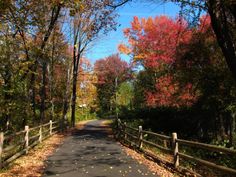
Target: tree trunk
x,y
67,93
74,84
50,79
220,15
7,98
221,131
43,92
32,90
55,15
232,141
73,102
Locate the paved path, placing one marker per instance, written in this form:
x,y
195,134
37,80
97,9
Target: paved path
x,y
91,153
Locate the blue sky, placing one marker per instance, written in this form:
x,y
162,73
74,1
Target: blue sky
x,y
107,45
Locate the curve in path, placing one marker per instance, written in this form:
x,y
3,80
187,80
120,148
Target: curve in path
x,y
89,152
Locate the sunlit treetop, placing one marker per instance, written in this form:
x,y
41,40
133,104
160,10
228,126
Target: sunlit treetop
x,y
154,41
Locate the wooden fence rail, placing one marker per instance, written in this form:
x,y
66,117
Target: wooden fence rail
x,y
137,136
14,145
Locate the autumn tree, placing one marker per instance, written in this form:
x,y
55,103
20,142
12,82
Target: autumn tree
x,y
223,17
223,20
111,72
34,54
35,20
183,77
26,28
202,63
86,89
153,43
89,19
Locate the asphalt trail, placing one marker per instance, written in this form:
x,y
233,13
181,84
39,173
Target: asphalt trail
x,y
89,152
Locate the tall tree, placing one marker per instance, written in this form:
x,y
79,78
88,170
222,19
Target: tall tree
x,y
26,28
55,12
157,53
89,19
223,21
111,72
201,62
223,18
86,89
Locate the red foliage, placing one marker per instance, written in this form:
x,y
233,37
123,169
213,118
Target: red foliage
x,y
109,68
154,40
205,24
169,93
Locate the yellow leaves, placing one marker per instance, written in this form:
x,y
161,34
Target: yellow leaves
x,y
86,91
139,57
76,6
124,49
24,66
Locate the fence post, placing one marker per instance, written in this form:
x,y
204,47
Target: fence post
x,y
118,124
140,129
125,131
117,128
26,139
1,147
64,124
50,127
119,131
61,126
164,143
175,149
40,134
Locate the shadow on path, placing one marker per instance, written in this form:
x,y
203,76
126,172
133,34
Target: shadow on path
x,y
91,153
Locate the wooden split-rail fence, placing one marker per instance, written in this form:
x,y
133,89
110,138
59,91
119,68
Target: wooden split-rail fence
x,y
136,138
15,145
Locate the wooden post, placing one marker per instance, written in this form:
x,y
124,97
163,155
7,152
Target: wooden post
x,y
1,147
40,134
118,125
175,150
65,125
118,133
61,126
50,127
116,128
140,129
116,122
124,131
164,143
26,139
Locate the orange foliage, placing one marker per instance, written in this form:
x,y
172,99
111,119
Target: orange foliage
x,y
86,90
